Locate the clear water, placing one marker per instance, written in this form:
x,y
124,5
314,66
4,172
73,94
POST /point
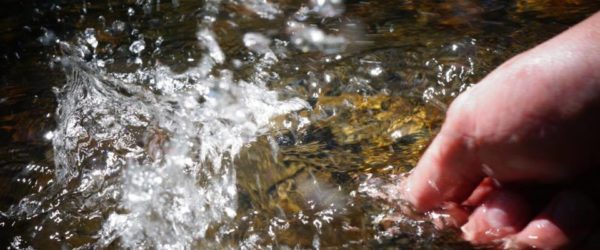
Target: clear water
x,y
242,124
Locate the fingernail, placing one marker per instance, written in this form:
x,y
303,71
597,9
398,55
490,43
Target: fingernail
x,y
497,218
493,224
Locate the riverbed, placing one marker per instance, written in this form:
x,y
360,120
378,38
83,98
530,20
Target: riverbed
x,y
237,124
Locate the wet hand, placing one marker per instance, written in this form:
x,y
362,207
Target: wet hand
x,y
517,150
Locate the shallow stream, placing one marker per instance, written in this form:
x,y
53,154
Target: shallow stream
x,y
237,124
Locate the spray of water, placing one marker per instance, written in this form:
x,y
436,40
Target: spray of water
x,y
161,154
151,152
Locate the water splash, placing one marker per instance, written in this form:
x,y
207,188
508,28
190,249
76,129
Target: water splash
x,y
161,155
262,8
309,38
327,8
145,159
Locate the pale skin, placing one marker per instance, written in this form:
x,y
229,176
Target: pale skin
x,y
518,150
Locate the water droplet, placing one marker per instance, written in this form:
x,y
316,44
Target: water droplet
x,y
159,41
100,63
316,242
309,38
257,42
302,14
376,71
230,212
327,78
137,46
327,8
118,26
49,135
90,37
262,8
207,38
47,38
102,20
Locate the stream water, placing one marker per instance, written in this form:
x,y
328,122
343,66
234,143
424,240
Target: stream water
x,y
237,124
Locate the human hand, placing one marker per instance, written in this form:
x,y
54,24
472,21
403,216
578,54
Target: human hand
x,y
515,150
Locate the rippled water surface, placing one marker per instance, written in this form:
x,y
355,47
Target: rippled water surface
x,y
237,124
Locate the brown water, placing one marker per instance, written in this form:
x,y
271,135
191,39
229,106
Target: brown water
x,y
239,124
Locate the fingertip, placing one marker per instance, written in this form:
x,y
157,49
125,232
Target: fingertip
x,y
565,222
539,234
420,191
446,172
503,213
